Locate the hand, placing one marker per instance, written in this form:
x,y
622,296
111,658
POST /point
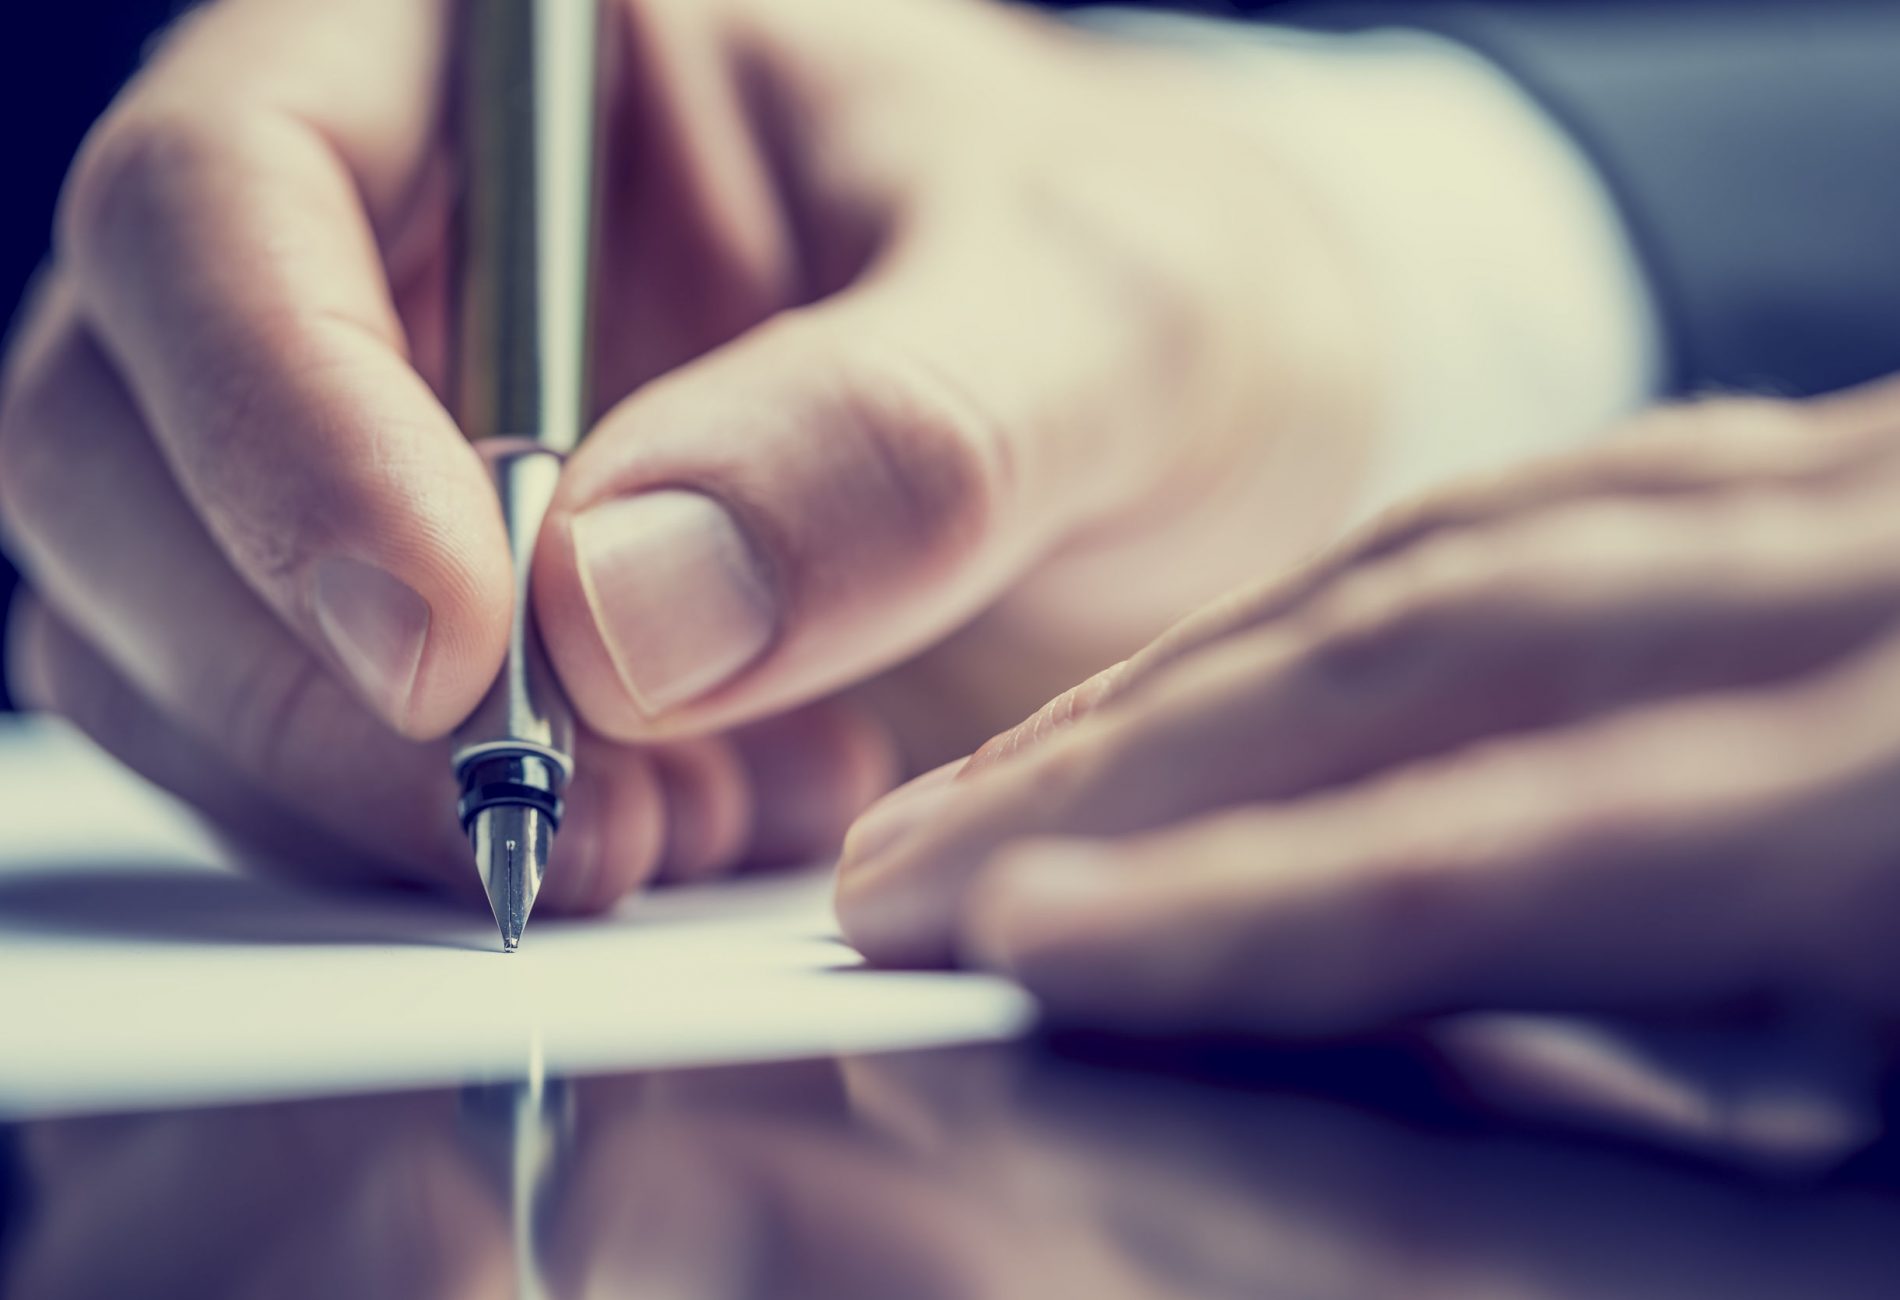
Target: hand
x,y
1614,733
913,319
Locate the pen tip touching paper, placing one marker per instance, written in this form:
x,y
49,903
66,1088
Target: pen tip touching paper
x,y
511,844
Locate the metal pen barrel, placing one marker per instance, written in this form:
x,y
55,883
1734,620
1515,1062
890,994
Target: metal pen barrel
x,y
526,114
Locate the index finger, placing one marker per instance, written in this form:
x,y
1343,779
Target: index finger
x,y
226,228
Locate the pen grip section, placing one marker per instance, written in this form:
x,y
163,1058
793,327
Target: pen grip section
x,y
524,712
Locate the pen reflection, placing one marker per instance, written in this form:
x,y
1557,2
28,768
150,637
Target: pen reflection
x,y
966,1174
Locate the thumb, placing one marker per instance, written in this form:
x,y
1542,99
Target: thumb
x,y
822,498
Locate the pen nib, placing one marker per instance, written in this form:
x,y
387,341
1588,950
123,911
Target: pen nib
x,y
511,851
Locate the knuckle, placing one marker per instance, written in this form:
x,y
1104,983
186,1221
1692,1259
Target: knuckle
x,y
935,453
130,169
1375,623
1473,594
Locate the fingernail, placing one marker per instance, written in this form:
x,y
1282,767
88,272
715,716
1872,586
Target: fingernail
x,y
376,625
676,592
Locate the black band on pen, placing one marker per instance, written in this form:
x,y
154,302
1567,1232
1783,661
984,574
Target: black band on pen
x,y
521,779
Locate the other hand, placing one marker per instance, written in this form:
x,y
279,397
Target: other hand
x,y
1612,733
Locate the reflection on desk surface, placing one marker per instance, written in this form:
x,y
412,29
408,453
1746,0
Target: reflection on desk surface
x,y
973,1172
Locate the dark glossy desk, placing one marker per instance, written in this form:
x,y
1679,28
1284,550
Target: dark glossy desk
x,y
1044,1171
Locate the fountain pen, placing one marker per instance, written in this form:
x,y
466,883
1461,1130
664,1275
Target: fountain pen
x,y
525,127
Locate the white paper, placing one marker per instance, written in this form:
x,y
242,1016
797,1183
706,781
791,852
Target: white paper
x,y
136,970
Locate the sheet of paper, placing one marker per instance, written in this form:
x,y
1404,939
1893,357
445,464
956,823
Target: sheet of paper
x,y
137,970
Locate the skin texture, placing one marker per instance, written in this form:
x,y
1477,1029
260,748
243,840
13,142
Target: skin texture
x,y
1612,733
968,352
